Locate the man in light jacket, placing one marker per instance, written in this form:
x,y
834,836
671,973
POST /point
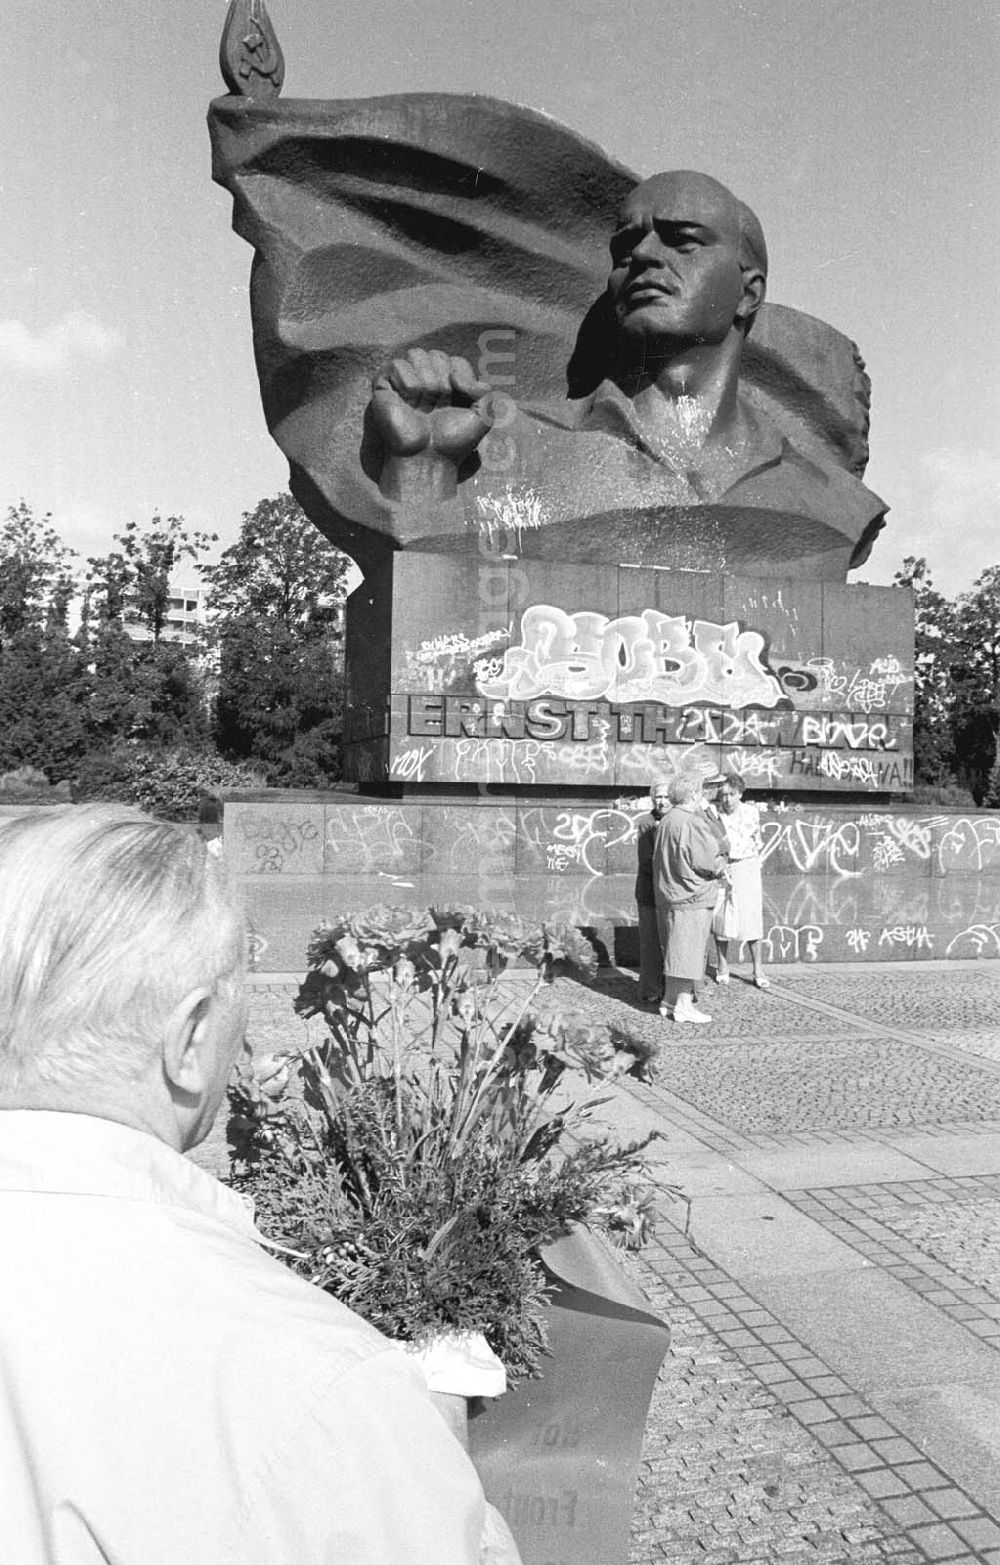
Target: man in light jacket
x,y
168,1392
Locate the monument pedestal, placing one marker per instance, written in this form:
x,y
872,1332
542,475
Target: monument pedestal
x,y
506,673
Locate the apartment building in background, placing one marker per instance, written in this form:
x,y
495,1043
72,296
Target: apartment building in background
x,y
186,613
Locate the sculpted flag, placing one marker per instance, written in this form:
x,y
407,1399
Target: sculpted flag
x,y
480,228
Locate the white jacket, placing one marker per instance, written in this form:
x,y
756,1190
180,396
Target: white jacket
x,y
171,1395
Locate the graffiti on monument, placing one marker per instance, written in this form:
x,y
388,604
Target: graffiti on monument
x,y
785,943
474,738
636,657
651,656
371,839
816,853
791,690
282,840
977,940
573,841
969,844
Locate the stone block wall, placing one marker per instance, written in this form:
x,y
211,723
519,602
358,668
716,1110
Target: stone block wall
x,y
840,883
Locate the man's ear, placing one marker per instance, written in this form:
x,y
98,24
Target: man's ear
x,y
752,297
186,1042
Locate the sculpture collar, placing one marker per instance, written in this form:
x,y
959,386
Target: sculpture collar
x,y
609,411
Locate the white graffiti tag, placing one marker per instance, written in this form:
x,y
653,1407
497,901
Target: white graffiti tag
x,y
638,657
782,943
861,692
886,852
496,760
831,846
970,844
857,767
588,836
977,940
763,765
914,936
410,765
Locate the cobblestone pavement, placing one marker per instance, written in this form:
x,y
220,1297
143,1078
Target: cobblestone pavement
x,y
832,1393
817,1083
728,1476
963,1236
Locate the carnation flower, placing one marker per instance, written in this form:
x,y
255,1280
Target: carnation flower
x,y
562,949
630,1219
449,943
391,928
351,954
270,1073
404,973
464,1007
503,932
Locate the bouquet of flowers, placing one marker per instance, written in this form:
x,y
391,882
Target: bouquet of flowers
x,y
413,1163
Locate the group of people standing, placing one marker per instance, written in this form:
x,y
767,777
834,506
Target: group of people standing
x,y
698,886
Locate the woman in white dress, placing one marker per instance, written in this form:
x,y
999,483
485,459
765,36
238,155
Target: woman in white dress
x,y
741,821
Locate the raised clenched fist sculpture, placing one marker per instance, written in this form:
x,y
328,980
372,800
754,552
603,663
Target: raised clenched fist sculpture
x,y
429,413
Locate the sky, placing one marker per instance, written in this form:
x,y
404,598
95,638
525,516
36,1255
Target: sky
x,y
864,133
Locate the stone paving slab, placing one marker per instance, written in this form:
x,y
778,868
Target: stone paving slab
x,y
784,1450
847,1162
983,1042
929,1377
939,1237
974,1150
727,1474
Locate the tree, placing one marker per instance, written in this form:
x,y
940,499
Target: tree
x,y
44,686
131,584
44,696
281,567
36,574
148,691
975,673
144,692
275,605
935,649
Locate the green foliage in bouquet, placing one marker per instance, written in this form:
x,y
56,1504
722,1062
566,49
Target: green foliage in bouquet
x,y
414,1162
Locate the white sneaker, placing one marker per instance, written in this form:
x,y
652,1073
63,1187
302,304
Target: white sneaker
x,y
690,1013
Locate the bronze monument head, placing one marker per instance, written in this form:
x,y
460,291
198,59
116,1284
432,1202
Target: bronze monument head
x,y
689,265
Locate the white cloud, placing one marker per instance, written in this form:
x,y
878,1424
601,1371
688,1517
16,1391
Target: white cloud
x,y
961,486
85,526
77,338
947,508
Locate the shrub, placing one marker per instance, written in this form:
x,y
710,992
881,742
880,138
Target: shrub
x,y
413,1164
951,795
24,779
166,782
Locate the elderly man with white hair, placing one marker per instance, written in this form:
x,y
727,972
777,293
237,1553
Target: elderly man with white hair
x,y
688,865
169,1393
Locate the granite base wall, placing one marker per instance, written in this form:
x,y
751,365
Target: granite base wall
x,y
840,884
